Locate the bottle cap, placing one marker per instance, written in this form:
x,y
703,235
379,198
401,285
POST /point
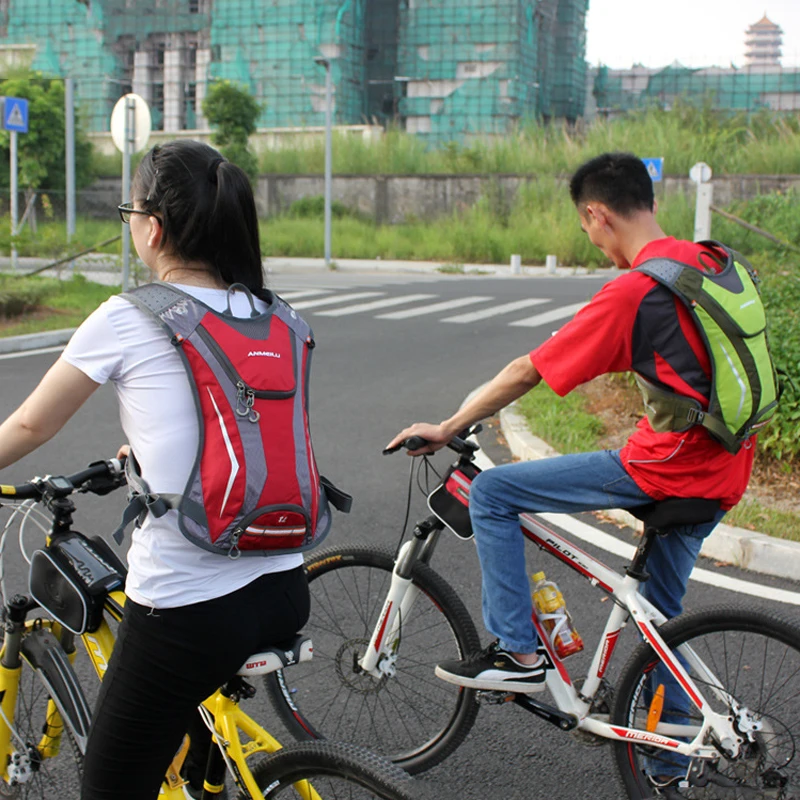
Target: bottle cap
x,y
538,576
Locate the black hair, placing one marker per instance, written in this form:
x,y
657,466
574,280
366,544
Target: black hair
x,y
619,180
206,207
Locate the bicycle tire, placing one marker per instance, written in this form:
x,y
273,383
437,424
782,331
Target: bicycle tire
x,y
336,770
59,776
423,719
756,657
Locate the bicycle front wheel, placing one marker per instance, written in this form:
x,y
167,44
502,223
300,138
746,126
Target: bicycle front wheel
x,y
411,717
755,659
46,761
335,770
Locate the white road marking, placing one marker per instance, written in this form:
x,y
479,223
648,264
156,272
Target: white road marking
x,y
548,316
433,309
339,298
496,311
375,304
305,293
24,353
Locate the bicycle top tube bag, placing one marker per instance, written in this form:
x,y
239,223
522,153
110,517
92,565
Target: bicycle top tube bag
x,y
450,500
727,309
254,488
70,580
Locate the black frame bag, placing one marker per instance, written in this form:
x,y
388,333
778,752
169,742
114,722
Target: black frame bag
x,y
70,580
450,500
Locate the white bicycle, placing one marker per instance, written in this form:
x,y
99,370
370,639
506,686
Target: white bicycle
x,y
708,702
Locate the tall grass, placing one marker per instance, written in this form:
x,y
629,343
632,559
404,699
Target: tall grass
x,y
759,143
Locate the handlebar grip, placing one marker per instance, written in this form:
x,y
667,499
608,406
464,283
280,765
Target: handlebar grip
x,y
412,443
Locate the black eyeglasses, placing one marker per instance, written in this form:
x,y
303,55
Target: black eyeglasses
x,y
126,209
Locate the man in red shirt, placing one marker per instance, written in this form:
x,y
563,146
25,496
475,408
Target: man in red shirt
x,y
632,324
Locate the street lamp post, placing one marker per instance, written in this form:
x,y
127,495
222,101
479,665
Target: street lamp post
x,y
324,62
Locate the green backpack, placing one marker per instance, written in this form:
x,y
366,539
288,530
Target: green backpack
x,y
729,313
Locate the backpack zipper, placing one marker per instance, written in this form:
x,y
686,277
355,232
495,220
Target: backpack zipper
x,y
246,393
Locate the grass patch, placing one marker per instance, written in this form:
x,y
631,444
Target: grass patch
x,y
563,422
733,143
754,516
60,304
451,269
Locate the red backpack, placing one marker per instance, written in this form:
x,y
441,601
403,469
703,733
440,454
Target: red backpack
x,y
254,488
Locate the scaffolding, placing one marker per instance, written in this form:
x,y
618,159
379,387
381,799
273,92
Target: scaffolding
x,y
480,67
747,89
444,68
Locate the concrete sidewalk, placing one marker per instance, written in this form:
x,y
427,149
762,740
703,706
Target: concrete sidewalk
x,y
742,548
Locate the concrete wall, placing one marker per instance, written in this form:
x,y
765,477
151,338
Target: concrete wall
x,y
396,199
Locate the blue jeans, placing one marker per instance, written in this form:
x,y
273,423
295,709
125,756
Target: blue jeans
x,y
565,484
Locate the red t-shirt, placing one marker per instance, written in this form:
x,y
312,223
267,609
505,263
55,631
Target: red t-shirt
x,y
634,323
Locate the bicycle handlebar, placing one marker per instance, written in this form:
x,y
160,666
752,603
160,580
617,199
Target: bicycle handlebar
x,y
458,443
100,477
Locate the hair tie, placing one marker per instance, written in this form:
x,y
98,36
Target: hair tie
x,y
212,169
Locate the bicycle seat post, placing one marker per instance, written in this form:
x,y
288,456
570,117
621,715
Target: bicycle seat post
x,y
636,569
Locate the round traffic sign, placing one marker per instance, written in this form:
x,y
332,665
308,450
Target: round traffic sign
x,y
700,172
139,121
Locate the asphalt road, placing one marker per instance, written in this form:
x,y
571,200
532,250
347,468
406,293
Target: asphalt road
x,y
371,376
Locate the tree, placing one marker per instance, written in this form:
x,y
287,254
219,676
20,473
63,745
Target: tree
x,y
233,111
41,149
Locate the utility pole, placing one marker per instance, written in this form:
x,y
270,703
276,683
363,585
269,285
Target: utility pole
x,y
69,118
324,62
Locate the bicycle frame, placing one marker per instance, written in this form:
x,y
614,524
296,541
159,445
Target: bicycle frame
x,y
573,708
223,714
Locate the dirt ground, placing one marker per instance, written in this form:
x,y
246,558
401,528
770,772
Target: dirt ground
x,y
619,406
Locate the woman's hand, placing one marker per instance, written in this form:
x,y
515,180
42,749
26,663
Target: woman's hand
x,y
124,451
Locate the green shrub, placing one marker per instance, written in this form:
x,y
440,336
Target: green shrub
x,y
20,295
313,207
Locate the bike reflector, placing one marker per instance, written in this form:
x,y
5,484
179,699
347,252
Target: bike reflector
x,y
450,500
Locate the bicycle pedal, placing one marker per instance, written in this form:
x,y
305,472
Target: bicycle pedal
x,y
494,698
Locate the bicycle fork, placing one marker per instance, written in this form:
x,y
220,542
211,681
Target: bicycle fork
x,y
381,654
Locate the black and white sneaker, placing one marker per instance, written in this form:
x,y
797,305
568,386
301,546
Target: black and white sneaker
x,y
495,670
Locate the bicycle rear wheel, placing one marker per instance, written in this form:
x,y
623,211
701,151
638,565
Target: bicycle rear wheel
x,y
337,771
46,768
412,717
756,658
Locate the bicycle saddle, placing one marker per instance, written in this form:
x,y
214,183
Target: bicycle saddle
x,y
292,651
674,511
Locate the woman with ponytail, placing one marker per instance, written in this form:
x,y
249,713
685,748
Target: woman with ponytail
x,y
192,617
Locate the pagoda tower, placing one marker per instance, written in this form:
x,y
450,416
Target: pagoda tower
x,y
763,42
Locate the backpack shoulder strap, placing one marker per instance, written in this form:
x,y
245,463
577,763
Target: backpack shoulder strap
x,y
176,311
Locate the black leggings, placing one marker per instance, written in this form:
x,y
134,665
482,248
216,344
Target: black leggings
x,y
164,664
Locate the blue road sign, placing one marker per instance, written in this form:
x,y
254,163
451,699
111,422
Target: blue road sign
x,y
655,168
15,114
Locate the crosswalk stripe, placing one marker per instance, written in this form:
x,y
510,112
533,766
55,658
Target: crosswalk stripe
x,y
496,311
304,293
337,298
548,316
375,304
433,309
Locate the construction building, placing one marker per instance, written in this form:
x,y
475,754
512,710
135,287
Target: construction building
x,y
445,69
762,83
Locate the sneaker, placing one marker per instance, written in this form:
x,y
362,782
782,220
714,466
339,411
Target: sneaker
x,y
493,669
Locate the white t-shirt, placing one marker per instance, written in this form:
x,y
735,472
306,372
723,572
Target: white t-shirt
x,y
121,344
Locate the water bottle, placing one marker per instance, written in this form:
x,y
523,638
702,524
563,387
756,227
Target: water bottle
x,y
554,615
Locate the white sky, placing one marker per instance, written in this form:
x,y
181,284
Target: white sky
x,y
697,33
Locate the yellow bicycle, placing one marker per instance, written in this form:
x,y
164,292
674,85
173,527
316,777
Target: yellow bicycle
x,y
44,713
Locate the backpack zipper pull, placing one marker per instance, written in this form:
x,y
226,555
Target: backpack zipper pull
x,y
245,399
234,552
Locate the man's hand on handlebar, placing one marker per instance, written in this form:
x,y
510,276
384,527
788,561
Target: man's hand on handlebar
x,y
435,436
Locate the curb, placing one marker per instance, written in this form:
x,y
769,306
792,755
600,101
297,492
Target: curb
x,y
737,546
35,341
